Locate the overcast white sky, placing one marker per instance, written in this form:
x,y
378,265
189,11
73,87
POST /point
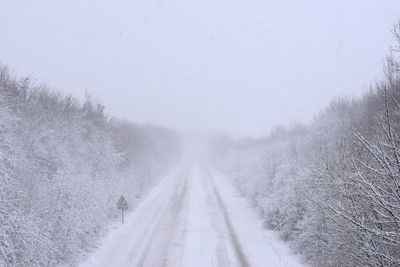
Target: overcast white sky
x,y
236,66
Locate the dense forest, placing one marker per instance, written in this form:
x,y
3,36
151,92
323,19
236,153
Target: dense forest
x,y
63,166
331,187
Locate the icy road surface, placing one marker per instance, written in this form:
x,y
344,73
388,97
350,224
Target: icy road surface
x,y
193,217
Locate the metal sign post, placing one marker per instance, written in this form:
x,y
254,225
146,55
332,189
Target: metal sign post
x,y
122,205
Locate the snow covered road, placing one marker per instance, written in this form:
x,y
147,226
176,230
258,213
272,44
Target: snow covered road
x,y
193,217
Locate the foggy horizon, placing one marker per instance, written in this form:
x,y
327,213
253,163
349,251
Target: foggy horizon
x,y
180,66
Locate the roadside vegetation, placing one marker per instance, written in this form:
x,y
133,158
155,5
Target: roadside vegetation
x,y
332,187
63,166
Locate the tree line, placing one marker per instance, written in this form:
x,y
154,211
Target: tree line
x,y
63,166
331,187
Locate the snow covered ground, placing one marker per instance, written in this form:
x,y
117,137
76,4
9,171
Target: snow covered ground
x,y
193,217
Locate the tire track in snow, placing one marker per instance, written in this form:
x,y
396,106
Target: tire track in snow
x,y
169,218
148,231
234,239
175,213
222,252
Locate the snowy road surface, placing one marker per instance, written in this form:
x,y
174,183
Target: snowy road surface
x,y
193,217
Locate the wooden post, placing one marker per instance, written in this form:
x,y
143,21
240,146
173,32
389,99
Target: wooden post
x,y
122,216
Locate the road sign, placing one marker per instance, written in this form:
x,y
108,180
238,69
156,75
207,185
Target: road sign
x,y
122,205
